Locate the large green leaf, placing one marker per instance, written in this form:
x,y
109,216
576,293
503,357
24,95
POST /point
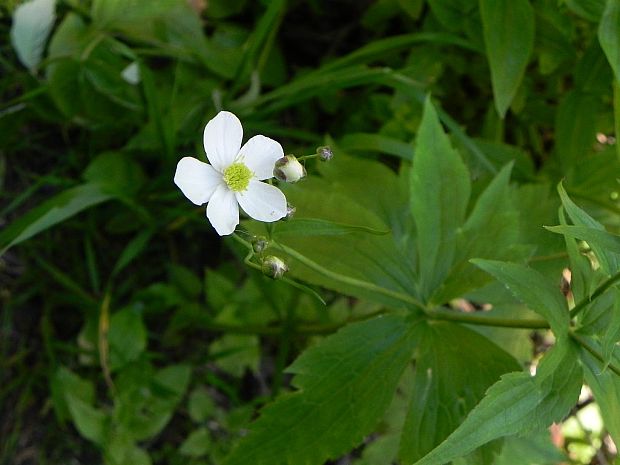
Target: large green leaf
x,y
609,34
343,196
454,368
440,189
491,231
51,212
345,383
533,289
508,27
32,23
517,403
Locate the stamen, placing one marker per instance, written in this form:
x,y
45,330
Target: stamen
x,y
237,176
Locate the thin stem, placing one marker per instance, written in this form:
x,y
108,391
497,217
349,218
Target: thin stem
x,y
595,353
595,295
307,157
248,261
481,320
406,298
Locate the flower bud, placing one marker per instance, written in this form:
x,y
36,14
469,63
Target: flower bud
x,y
289,169
259,243
325,153
274,267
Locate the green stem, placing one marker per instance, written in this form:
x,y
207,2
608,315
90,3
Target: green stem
x,y
406,298
248,261
481,320
595,353
595,295
307,157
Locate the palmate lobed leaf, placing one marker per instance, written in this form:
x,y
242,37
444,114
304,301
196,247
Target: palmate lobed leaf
x,y
454,367
517,403
345,384
440,189
491,231
344,196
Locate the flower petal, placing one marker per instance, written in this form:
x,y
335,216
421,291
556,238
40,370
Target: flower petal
x,y
222,139
262,201
223,211
197,180
260,154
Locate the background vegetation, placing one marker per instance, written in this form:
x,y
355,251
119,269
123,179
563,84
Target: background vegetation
x,y
131,333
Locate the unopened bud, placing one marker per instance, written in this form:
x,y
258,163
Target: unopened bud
x,y
274,267
289,169
325,153
259,243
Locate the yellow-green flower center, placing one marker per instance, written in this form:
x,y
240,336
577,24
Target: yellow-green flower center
x,y
237,176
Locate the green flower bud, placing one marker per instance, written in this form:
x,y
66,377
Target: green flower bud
x,y
259,243
289,169
274,267
325,153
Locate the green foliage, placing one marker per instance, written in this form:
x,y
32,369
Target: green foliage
x,y
445,372
526,403
438,208
345,384
443,303
509,39
531,288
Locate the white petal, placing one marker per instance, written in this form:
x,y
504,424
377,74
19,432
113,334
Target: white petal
x,y
260,154
197,180
262,201
223,211
222,139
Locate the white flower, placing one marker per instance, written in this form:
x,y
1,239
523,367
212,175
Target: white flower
x,y
234,175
